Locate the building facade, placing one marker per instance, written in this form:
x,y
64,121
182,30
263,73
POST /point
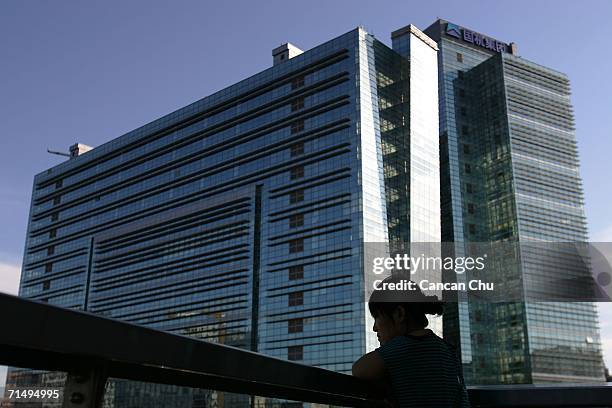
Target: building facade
x,y
241,218
510,173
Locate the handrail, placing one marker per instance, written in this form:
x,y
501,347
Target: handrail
x,y
41,336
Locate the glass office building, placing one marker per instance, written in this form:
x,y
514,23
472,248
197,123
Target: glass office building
x,y
241,218
510,173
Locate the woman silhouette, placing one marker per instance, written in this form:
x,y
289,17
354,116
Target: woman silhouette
x,y
421,369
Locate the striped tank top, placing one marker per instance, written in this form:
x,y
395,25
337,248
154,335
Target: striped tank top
x,y
424,372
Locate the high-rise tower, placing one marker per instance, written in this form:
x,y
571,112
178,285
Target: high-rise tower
x,y
510,173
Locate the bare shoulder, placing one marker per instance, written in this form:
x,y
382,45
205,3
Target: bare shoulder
x,y
370,366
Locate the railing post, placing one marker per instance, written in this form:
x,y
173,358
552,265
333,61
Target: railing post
x,y
85,389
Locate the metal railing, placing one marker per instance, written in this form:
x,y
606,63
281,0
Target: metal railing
x,y
92,349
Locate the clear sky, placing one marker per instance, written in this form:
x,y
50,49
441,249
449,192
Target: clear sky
x,y
91,71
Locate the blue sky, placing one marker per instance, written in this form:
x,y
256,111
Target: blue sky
x,y
91,71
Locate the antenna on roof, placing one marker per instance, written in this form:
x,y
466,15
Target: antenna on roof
x,y
76,150
58,153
